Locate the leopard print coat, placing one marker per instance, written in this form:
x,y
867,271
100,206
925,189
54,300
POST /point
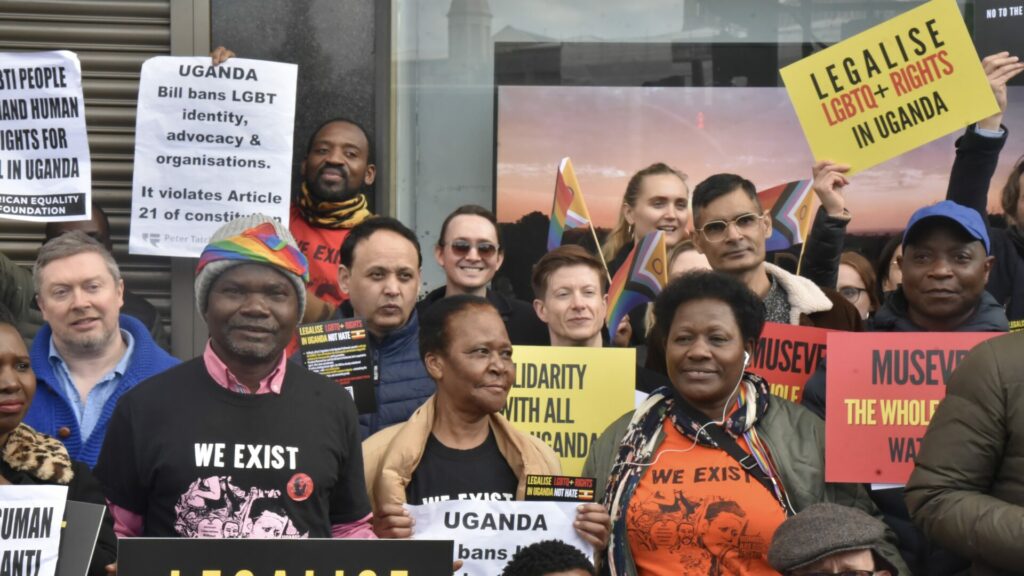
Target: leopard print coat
x,y
38,455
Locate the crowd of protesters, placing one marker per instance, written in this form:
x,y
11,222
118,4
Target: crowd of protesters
x,y
96,403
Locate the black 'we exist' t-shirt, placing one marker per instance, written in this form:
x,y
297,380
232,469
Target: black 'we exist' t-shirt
x,y
444,473
199,461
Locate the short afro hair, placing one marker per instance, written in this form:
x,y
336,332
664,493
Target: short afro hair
x,y
434,333
547,557
708,285
371,157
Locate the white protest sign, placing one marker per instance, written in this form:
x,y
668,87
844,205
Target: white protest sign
x,y
30,519
212,143
487,533
45,175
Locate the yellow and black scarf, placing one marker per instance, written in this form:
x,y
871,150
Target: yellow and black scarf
x,y
333,215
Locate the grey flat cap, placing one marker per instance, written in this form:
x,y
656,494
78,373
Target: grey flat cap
x,y
821,530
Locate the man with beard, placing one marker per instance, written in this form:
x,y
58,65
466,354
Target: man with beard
x,y
87,354
331,200
285,437
338,168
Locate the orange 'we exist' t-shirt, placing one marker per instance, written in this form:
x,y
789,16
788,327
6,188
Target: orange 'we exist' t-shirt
x,y
700,512
322,248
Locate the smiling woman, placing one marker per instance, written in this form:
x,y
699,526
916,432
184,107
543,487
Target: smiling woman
x,y
728,462
30,458
458,445
656,198
470,251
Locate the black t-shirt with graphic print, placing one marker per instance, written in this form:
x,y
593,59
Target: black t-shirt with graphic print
x,y
197,460
445,473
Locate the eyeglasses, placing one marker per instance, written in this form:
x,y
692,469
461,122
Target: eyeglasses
x,y
717,230
851,293
461,248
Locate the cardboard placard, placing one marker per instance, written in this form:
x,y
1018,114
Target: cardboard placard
x,y
567,396
786,356
890,89
45,170
30,517
341,350
882,392
212,143
320,556
559,488
487,533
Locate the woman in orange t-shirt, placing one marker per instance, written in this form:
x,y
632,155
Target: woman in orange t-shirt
x,y
698,478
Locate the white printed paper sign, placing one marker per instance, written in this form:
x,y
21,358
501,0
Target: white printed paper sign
x,y
212,143
45,175
487,533
30,518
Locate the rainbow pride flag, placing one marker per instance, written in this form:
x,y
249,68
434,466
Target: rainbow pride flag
x,y
568,210
790,207
640,278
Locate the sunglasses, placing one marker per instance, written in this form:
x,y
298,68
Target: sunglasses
x,y
461,248
718,230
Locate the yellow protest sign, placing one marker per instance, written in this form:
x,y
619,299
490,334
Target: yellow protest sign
x,y
568,396
890,89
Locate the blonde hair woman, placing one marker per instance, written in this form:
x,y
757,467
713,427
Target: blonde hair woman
x,y
656,198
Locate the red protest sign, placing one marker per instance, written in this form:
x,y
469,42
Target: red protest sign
x,y
786,356
882,392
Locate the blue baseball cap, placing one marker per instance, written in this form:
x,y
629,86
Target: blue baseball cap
x,y
967,218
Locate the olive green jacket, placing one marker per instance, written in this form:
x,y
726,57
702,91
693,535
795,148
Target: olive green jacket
x,y
967,489
796,438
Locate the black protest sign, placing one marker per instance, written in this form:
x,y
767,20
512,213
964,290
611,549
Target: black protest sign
x,y
341,350
313,557
78,537
559,488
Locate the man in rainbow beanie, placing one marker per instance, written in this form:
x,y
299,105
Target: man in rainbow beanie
x,y
239,443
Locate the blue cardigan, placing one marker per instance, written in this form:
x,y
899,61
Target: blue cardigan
x,y
51,409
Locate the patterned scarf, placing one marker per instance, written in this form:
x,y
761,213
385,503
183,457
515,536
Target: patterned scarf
x,y
332,215
638,447
258,244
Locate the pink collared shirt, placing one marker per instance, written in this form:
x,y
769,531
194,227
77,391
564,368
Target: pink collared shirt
x,y
222,375
129,524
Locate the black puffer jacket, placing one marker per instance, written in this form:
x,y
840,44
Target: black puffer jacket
x,y
976,159
524,328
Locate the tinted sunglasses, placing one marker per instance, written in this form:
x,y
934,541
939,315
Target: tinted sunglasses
x,y
461,248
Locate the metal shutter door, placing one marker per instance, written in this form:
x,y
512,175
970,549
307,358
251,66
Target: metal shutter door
x,y
112,39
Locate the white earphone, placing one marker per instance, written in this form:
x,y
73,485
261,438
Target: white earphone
x,y
725,410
